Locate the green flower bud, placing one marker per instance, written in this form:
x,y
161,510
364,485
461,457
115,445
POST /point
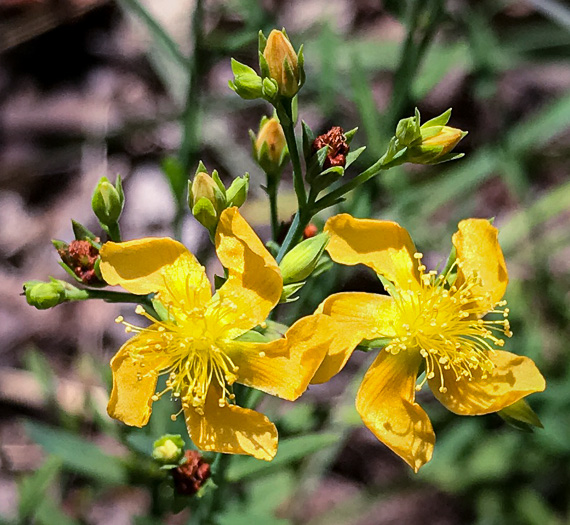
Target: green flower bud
x,y
283,63
237,192
408,130
169,449
108,201
269,89
44,295
300,262
270,146
246,83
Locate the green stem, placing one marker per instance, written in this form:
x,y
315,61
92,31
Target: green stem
x,y
331,198
190,146
285,114
156,30
113,231
108,296
295,231
272,185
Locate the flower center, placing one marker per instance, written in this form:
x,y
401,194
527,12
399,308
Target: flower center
x,y
189,348
445,324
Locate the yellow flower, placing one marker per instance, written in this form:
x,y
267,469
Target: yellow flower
x,y
429,323
198,347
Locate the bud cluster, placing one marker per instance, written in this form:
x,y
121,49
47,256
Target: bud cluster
x,y
282,70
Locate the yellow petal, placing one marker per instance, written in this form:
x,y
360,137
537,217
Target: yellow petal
x,y
356,316
386,404
151,265
384,246
513,378
285,366
254,284
231,429
133,385
478,252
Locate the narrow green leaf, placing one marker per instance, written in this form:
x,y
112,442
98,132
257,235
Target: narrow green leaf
x,y
77,454
32,489
290,450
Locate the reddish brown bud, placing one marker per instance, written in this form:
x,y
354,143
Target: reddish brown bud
x,y
189,477
338,147
80,257
310,231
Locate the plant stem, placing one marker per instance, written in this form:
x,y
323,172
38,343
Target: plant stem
x,y
331,198
156,30
114,232
190,145
285,114
108,296
272,184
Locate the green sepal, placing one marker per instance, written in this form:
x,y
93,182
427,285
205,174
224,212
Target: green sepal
x,y
379,342
521,416
59,245
263,66
205,214
161,310
70,272
301,66
308,139
236,194
440,120
327,178
289,290
353,155
261,42
349,135
451,268
200,169
81,233
252,336
218,181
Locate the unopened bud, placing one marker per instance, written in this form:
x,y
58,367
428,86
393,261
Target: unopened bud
x,y
300,262
108,201
270,146
246,83
204,187
44,295
190,476
435,142
206,199
283,63
169,449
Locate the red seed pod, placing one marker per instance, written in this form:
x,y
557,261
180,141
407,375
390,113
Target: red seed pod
x,y
189,477
81,256
338,147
